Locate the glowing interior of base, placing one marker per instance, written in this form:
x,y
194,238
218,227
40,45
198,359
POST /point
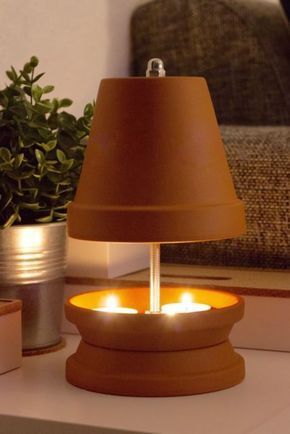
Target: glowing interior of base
x,y
138,298
112,305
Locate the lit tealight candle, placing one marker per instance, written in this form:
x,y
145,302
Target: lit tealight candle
x,y
185,306
112,306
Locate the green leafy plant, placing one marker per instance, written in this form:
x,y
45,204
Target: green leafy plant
x,y
41,150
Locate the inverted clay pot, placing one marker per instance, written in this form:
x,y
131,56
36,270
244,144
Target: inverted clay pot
x,y
155,168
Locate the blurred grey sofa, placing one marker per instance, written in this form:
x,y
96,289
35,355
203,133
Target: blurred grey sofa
x,y
242,48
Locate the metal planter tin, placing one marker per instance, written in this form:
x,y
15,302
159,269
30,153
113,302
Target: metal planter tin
x,y
32,269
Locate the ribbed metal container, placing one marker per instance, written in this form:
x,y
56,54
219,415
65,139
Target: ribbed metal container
x,y
32,269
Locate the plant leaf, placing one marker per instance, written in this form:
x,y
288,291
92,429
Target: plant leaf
x,y
43,107
62,207
14,73
3,99
6,166
48,89
67,165
46,219
88,110
27,69
18,160
36,92
49,146
6,201
65,102
26,76
29,205
41,149
20,142
37,77
60,156
10,75
60,215
50,195
10,220
20,174
5,154
39,156
27,90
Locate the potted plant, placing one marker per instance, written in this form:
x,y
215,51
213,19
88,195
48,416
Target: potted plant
x,y
41,154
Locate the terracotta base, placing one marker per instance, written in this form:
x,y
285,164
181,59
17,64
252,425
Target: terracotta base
x,y
154,354
170,373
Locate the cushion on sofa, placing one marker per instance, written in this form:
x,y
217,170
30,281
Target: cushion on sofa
x,y
242,48
259,158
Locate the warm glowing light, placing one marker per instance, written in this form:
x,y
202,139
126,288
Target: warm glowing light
x,y
185,306
112,301
29,238
112,306
186,298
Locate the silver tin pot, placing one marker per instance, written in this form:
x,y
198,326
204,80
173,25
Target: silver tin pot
x,y
32,269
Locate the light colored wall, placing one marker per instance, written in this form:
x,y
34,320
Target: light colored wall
x,y
77,41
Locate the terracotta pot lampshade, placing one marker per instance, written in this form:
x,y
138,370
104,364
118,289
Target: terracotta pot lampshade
x,y
155,171
155,168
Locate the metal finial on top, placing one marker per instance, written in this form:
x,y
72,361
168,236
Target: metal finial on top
x,y
155,68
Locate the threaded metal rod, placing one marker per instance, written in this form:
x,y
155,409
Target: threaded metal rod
x,y
155,68
155,278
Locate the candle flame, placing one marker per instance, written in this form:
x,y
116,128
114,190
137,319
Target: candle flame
x,y
186,297
112,301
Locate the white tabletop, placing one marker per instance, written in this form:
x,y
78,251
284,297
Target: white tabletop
x,y
260,405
